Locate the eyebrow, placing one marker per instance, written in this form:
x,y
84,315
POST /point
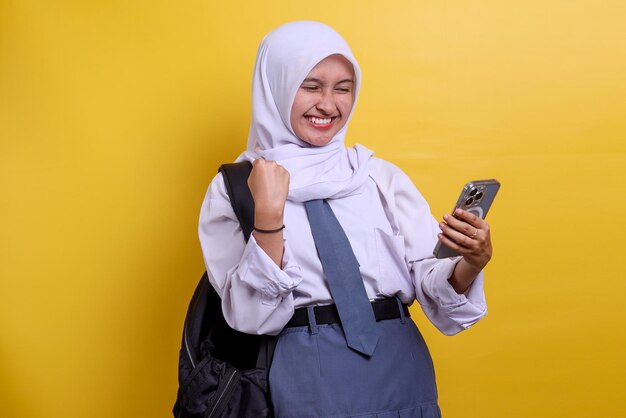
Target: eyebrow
x,y
317,80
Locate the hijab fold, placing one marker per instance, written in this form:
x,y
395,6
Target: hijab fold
x,y
284,59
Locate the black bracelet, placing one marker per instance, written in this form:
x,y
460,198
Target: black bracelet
x,y
269,231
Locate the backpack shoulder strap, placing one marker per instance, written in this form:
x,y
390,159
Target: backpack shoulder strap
x,y
204,309
236,180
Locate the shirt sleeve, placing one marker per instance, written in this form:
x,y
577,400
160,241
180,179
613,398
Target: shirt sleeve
x,y
410,216
256,294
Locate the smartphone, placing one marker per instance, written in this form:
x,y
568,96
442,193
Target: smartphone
x,y
476,197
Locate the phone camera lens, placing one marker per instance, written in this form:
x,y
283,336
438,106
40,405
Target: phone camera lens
x,y
469,201
473,192
479,196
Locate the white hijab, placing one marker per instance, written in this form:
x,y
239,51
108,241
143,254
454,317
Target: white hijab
x,y
285,57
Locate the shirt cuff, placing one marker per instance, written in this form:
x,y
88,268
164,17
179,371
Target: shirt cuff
x,y
262,274
439,288
464,309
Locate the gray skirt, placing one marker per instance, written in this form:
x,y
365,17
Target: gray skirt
x,y
315,374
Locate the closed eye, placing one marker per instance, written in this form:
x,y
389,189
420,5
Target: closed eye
x,y
344,86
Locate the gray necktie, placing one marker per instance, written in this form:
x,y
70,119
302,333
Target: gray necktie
x,y
344,278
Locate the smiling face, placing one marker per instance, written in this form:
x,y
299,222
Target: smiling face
x,y
324,100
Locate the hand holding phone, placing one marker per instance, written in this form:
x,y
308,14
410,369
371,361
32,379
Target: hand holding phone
x,y
476,199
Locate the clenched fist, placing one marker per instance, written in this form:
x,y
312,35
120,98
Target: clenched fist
x,y
269,185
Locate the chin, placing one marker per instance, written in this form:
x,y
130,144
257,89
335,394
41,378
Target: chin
x,y
318,139
317,142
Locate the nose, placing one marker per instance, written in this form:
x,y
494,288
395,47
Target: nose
x,y
326,103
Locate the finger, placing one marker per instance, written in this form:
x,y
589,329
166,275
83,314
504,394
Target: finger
x,y
470,218
479,259
460,226
457,237
453,245
282,169
477,222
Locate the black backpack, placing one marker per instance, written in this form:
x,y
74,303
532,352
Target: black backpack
x,y
223,372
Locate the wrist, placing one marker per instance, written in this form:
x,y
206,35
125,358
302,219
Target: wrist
x,y
467,269
268,231
268,220
463,276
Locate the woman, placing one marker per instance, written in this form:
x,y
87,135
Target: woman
x,y
305,85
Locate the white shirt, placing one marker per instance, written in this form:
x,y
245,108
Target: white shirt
x,y
392,234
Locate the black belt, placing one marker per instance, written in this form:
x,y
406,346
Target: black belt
x,y
383,309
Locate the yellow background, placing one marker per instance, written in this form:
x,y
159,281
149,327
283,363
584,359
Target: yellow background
x,y
115,116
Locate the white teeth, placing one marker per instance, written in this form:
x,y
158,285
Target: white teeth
x,y
319,121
